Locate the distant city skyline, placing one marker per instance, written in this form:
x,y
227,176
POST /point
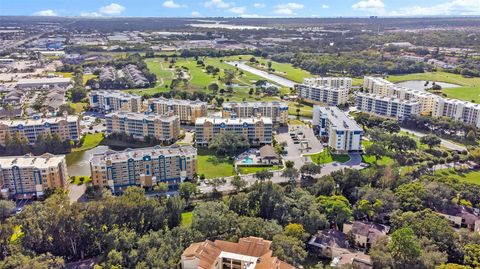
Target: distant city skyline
x,y
244,8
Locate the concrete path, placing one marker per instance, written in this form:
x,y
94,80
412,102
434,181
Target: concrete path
x,y
445,143
75,192
277,79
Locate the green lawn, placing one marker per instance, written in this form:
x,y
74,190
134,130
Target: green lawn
x,y
285,70
327,157
252,169
213,166
470,90
187,219
90,141
79,107
470,177
77,180
305,111
385,160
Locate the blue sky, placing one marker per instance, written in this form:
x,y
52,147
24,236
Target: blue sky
x,y
245,8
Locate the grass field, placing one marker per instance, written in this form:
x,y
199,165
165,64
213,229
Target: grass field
x,y
470,177
79,107
327,157
90,141
252,170
213,166
469,90
305,110
77,180
384,160
187,219
285,70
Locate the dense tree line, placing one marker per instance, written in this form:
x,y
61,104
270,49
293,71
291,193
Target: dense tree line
x,y
17,145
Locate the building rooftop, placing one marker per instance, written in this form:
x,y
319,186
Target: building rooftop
x,y
387,99
254,104
379,80
141,116
339,118
44,161
253,250
39,121
216,120
116,94
176,101
329,238
321,87
26,81
120,156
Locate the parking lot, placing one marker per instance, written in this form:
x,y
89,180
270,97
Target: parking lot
x,y
299,140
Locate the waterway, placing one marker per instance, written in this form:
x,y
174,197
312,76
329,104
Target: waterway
x,y
78,163
420,85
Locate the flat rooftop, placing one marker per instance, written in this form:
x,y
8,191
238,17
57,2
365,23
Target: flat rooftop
x,y
117,94
41,162
141,116
55,80
387,99
339,118
236,121
254,104
39,121
176,101
122,156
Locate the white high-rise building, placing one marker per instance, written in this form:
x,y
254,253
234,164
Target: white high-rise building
x,y
387,106
337,129
322,94
465,112
334,82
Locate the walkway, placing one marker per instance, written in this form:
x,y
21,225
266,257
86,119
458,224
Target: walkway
x,y
445,143
277,79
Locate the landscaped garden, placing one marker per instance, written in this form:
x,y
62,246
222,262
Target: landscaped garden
x,y
469,176
211,166
327,157
253,169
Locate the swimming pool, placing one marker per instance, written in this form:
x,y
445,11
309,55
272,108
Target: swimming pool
x,y
247,160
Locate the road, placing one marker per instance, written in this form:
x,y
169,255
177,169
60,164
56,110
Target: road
x,y
445,143
277,79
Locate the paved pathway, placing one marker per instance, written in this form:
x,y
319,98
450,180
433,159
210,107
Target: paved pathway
x,y
445,143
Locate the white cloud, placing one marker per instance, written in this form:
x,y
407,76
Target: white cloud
x,y
455,7
195,13
259,5
325,6
90,14
238,10
217,4
172,4
287,9
112,9
374,6
46,12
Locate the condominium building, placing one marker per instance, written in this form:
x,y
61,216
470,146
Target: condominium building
x,y
428,101
322,94
465,112
377,85
258,131
67,128
138,125
387,106
337,129
143,167
30,176
188,111
249,253
111,101
334,82
277,111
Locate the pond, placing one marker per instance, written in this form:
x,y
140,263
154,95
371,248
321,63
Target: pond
x,y
78,163
420,84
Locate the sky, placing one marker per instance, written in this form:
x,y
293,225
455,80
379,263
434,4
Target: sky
x,y
239,8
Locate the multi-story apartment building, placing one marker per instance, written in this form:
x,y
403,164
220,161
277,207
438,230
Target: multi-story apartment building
x,y
339,131
334,82
377,85
465,112
30,176
387,106
143,167
188,111
67,128
249,253
111,101
258,131
163,128
277,111
322,94
428,101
